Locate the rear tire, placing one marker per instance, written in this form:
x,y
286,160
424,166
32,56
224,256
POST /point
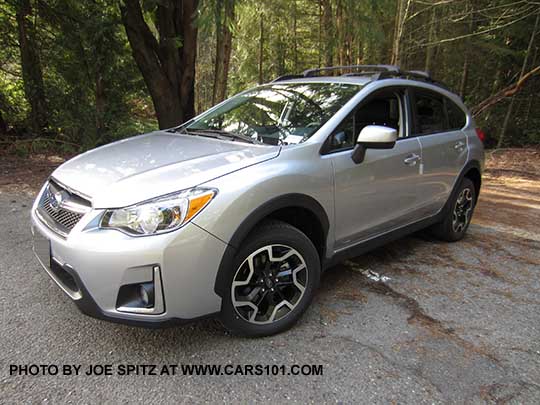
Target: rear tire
x,y
458,216
271,282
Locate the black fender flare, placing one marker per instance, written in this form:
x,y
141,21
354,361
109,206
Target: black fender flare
x,y
292,200
473,164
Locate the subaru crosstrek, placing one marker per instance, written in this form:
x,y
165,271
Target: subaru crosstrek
x,y
236,212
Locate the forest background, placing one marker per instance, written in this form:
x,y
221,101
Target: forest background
x,y
78,74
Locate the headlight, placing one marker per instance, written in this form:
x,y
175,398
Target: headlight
x,y
163,214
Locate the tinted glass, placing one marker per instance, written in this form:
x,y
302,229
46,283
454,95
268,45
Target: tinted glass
x,y
456,116
343,136
382,110
430,114
279,113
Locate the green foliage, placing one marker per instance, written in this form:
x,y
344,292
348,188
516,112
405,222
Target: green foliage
x,y
95,92
85,57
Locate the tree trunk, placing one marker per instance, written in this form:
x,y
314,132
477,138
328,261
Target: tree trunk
x,y
3,108
431,39
320,47
328,36
533,96
219,48
261,49
402,12
295,38
226,51
31,66
100,102
167,63
512,100
99,86
466,61
339,33
397,24
464,76
3,125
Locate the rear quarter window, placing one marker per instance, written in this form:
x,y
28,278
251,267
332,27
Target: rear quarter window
x,y
456,116
429,111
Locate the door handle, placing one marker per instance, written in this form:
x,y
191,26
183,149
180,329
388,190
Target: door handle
x,y
411,160
459,145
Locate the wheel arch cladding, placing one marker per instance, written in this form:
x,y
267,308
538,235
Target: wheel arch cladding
x,y
471,169
473,173
298,210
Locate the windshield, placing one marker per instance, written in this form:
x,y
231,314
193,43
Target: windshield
x,y
277,114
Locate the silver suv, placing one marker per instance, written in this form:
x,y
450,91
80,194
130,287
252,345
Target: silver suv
x,y
237,212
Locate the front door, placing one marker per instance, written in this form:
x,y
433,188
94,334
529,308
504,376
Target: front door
x,y
380,194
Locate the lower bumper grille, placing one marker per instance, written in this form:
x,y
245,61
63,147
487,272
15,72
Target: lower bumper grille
x,y
64,277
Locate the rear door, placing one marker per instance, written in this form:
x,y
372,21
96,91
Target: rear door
x,y
437,124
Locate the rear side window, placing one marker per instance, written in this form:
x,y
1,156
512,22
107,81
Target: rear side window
x,y
456,117
429,112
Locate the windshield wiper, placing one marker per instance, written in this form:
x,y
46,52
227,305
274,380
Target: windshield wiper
x,y
199,133
225,134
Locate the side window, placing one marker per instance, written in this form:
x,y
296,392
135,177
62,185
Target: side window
x,y
343,136
456,117
381,110
429,112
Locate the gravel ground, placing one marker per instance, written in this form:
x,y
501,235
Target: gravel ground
x,y
450,323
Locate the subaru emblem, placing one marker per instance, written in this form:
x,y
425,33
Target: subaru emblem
x,y
56,198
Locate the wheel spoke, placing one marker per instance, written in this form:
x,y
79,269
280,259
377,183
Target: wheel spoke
x,y
278,307
462,210
284,257
295,279
272,271
239,304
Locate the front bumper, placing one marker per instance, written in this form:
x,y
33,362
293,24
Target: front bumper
x,y
101,261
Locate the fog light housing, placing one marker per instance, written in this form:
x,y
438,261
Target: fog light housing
x,y
146,294
142,298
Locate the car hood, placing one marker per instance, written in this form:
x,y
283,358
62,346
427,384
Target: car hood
x,y
147,166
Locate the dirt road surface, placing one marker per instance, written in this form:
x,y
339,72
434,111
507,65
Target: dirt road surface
x,y
416,321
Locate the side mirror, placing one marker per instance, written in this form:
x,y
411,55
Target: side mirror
x,y
373,137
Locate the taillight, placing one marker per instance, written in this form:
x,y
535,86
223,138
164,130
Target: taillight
x,y
481,135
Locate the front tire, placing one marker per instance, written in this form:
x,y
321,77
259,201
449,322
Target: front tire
x,y
458,218
271,282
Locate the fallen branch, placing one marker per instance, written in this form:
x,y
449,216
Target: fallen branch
x,y
504,93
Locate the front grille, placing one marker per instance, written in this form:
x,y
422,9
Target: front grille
x,y
61,216
58,216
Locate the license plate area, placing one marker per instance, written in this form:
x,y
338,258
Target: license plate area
x,y
42,248
63,278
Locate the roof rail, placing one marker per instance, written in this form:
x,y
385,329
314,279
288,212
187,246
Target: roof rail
x,y
412,75
407,74
363,69
377,72
419,73
286,77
